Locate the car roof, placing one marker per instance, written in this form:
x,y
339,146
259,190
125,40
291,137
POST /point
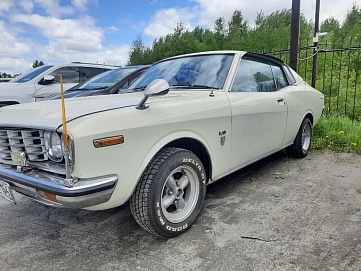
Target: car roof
x,y
242,53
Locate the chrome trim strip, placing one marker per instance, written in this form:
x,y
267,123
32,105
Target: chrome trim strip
x,y
246,164
81,188
42,165
28,126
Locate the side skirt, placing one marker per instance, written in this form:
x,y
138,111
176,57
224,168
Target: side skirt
x,y
246,164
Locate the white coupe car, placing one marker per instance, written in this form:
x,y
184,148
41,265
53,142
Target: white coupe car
x,y
188,121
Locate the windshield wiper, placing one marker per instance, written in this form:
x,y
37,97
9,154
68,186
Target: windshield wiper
x,y
138,88
193,86
87,88
98,88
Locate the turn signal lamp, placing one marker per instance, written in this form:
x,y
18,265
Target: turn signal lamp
x,y
50,196
103,142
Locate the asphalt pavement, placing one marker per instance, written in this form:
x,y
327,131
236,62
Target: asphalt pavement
x,y
280,213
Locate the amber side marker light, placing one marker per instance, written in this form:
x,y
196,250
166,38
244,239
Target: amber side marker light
x,y
50,196
103,142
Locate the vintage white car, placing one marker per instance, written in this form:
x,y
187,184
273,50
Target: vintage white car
x,y
188,121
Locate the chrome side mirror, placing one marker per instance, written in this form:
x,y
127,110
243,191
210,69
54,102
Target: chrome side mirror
x,y
156,88
48,79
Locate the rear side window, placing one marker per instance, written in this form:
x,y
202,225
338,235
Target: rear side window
x,y
69,74
290,77
254,76
280,78
89,72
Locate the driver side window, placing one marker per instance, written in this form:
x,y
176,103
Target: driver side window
x,y
69,74
254,75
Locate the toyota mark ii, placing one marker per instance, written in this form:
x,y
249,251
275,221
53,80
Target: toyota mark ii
x,y
187,122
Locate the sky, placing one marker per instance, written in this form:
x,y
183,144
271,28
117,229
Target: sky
x,y
102,31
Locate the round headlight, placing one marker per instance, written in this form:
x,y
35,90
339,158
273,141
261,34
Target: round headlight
x,y
53,146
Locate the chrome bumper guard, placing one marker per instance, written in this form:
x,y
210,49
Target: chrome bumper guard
x,y
84,193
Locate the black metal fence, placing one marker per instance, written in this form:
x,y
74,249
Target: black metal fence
x,y
337,75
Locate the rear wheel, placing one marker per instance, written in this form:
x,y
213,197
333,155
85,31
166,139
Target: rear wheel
x,y
170,194
302,144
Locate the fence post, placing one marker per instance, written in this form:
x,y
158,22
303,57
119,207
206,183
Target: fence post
x,y
315,44
295,32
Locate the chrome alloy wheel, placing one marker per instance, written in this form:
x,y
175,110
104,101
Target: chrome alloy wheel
x,y
306,137
180,194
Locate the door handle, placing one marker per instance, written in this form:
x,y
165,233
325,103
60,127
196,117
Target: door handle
x,y
280,100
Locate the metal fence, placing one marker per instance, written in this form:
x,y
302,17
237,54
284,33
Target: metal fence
x,y
337,74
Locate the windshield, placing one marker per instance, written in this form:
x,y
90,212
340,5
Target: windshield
x,y
106,79
207,71
31,74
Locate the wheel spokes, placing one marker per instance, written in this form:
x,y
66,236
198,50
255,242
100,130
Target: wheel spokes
x,y
172,185
168,200
183,182
180,203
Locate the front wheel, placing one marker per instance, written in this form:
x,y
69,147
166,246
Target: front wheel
x,y
170,193
302,144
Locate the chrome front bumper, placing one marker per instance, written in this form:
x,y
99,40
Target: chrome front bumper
x,y
49,189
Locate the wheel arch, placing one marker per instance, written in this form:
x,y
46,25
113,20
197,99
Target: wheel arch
x,y
309,115
197,148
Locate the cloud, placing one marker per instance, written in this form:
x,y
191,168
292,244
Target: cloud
x,y
66,35
6,5
165,20
27,5
80,4
10,44
53,7
117,55
114,55
14,65
112,29
210,10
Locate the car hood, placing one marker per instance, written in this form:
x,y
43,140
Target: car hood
x,y
5,86
49,113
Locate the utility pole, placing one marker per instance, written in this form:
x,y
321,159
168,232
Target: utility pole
x,y
295,33
315,43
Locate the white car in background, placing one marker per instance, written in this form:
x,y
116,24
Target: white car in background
x,y
43,81
186,122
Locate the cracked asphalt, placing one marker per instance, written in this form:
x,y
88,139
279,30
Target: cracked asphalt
x,y
277,214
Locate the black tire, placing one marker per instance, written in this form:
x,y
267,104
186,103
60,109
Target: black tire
x,y
302,144
170,193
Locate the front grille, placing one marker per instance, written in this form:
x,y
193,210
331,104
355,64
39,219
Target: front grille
x,y
28,141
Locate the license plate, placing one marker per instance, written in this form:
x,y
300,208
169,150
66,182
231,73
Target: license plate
x,y
5,191
18,158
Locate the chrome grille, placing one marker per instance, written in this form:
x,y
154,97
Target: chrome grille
x,y
28,141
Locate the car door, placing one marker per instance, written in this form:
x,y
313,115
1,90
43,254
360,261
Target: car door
x,y
70,75
259,111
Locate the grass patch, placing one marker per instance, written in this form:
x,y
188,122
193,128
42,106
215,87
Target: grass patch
x,y
337,133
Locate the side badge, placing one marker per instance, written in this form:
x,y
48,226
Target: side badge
x,y
222,134
223,139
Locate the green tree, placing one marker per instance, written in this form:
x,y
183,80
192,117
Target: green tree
x,y
38,63
136,53
220,32
352,25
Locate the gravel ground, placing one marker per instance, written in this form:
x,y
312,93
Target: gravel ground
x,y
278,214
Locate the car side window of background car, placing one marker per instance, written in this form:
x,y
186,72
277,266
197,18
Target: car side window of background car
x,y
279,76
254,75
69,74
89,72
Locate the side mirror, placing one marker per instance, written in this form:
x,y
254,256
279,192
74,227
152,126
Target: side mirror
x,y
48,79
156,88
40,93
